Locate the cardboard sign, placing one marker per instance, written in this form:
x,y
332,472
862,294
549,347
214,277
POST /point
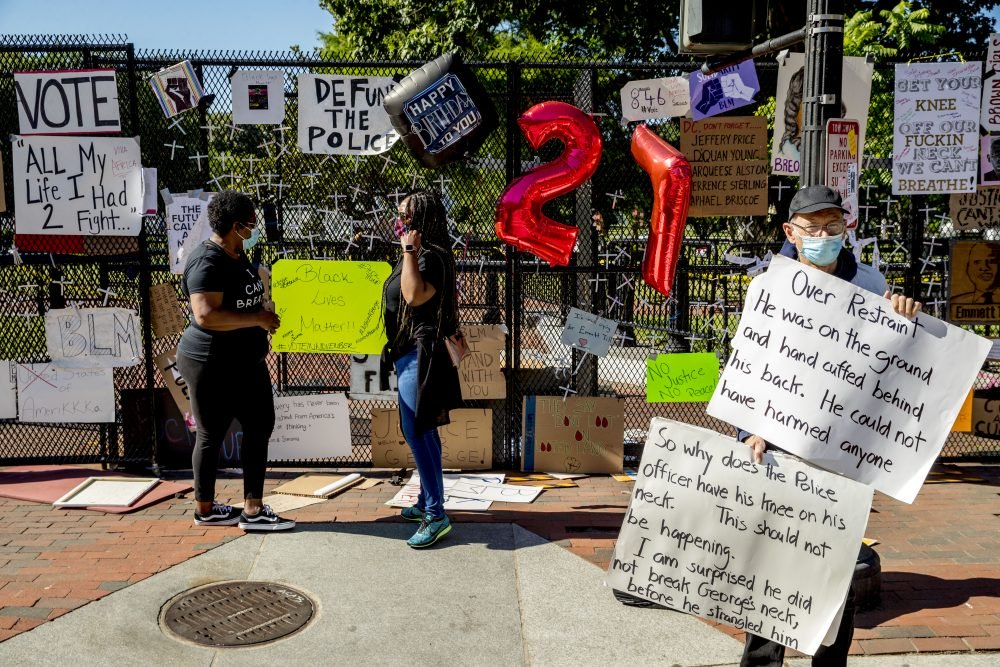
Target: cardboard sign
x,y
67,102
588,332
93,337
856,88
728,159
963,422
769,549
935,139
827,371
8,389
329,306
985,417
343,115
181,215
258,97
466,443
80,186
681,378
315,426
725,90
166,362
843,164
177,88
49,394
578,434
481,372
975,210
974,288
365,380
655,98
167,318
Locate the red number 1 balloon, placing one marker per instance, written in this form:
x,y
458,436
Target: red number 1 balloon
x,y
520,221
670,173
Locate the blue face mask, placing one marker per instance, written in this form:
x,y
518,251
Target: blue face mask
x,y
822,250
252,240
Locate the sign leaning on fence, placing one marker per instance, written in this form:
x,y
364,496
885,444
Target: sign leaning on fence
x,y
315,426
829,372
343,115
47,393
67,102
93,337
79,186
769,549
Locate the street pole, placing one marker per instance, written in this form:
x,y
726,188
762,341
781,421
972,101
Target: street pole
x,y
821,89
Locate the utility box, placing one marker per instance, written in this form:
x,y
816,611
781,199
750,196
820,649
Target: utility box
x,y
717,26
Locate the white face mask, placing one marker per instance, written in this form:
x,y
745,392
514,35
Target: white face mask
x,y
822,250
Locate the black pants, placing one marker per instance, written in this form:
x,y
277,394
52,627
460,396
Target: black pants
x,y
221,392
760,652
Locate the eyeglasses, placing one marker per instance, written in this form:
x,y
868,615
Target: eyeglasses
x,y
831,228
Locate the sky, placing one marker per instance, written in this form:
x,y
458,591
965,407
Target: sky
x,y
272,25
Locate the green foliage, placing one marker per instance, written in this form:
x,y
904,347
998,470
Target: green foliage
x,y
901,29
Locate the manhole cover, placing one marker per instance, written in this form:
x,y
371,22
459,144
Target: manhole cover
x,y
237,613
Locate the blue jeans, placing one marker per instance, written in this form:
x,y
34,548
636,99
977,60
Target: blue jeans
x,y
426,446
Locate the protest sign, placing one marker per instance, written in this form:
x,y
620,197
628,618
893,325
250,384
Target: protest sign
x,y
481,372
989,114
769,549
588,332
856,88
198,234
989,168
576,434
829,372
504,493
181,214
843,164
681,378
985,419
177,88
166,362
365,379
47,393
993,53
975,210
67,102
343,115
167,318
974,293
728,159
655,98
258,97
466,443
149,190
407,496
77,186
729,88
328,306
8,389
936,128
93,337
315,426
963,421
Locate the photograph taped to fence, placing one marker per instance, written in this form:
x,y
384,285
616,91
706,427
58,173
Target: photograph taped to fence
x,y
77,186
93,337
67,102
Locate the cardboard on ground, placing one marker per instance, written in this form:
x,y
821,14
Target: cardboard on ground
x,y
314,485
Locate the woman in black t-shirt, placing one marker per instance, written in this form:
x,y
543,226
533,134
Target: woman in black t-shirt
x,y
420,307
222,357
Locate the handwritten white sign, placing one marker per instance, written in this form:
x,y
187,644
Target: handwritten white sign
x,y
93,337
365,379
588,332
407,495
989,113
78,186
656,98
8,389
182,214
47,393
828,371
258,97
316,426
343,115
769,549
993,53
67,102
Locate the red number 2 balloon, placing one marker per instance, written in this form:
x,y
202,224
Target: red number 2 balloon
x,y
520,221
670,173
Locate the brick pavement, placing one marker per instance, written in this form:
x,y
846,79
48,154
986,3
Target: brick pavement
x,y
940,556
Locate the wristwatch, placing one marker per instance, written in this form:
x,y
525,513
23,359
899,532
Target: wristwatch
x,y
408,247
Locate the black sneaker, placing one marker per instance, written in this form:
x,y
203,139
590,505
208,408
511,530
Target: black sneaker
x,y
221,515
265,520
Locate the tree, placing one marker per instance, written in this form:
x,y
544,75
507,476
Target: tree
x,y
902,29
967,23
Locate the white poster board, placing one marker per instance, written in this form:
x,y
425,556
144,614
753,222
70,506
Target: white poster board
x,y
343,115
47,393
8,389
198,234
407,495
588,332
67,102
365,379
668,97
856,89
317,426
258,97
827,371
993,53
769,549
181,215
93,337
935,138
78,186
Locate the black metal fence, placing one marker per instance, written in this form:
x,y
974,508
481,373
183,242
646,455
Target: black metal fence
x,y
341,208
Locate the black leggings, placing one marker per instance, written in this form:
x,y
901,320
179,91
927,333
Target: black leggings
x,y
221,392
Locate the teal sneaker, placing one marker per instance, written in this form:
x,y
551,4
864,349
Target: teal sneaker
x,y
412,514
431,530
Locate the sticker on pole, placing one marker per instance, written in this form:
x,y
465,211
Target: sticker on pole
x,y
843,164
